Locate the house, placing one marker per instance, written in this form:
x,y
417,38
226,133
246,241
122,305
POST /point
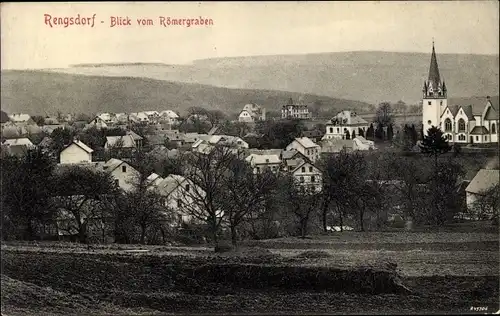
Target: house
x,y
260,163
98,122
484,180
180,196
20,118
205,142
336,145
291,159
169,116
50,120
130,140
154,179
19,142
124,174
139,117
361,143
252,113
295,111
76,152
306,146
314,135
50,128
474,120
344,124
308,175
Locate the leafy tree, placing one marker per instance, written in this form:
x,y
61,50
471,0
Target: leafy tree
x,y
390,132
403,139
384,116
38,119
370,132
379,132
488,204
25,194
435,144
61,137
361,132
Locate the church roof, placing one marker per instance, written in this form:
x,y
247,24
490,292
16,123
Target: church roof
x,y
479,130
434,70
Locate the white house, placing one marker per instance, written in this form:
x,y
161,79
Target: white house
x,y
205,142
484,180
473,121
76,152
139,117
251,113
99,122
260,163
181,195
344,124
124,174
21,118
130,140
308,175
169,116
306,146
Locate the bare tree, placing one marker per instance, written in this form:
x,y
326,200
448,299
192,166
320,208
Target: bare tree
x,y
207,172
244,193
384,116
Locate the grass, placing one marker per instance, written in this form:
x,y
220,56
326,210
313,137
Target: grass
x,y
111,279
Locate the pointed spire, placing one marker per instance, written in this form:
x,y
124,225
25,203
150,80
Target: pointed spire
x,y
433,69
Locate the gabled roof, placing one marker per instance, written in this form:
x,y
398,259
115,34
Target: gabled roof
x,y
112,164
306,142
128,141
491,114
170,183
484,180
263,159
18,141
290,154
479,130
19,117
81,145
477,103
302,164
134,135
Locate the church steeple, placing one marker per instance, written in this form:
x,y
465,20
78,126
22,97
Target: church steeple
x,y
434,87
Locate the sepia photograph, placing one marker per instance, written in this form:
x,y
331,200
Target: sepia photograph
x,y
250,158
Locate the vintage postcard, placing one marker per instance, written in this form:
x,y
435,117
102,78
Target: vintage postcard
x,y
250,158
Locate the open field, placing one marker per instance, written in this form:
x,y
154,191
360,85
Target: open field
x,y
343,273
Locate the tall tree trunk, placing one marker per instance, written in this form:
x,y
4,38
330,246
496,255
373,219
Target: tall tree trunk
x,y
234,235
341,219
214,233
143,234
82,233
361,219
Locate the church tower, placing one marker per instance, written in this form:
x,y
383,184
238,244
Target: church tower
x,y
434,99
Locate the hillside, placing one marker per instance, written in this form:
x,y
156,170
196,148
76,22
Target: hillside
x,y
371,77
38,92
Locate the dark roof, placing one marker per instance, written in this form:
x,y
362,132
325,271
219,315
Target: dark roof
x,y
468,111
491,114
4,117
478,103
454,109
479,130
434,70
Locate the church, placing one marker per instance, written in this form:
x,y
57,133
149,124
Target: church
x,y
472,123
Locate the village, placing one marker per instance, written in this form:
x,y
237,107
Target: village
x,y
162,152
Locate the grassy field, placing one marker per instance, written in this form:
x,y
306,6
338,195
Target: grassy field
x,y
343,273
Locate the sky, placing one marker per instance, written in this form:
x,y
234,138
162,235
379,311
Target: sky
x,y
241,29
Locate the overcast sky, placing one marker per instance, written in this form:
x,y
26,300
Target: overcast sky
x,y
243,29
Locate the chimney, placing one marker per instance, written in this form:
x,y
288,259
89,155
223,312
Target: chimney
x,y
488,97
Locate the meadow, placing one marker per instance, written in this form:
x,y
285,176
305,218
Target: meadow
x,y
341,273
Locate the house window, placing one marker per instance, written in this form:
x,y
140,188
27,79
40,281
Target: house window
x,y
303,169
485,138
429,122
187,187
258,169
117,182
477,138
429,103
331,130
461,137
267,160
310,169
493,128
301,179
447,125
313,179
338,130
461,125
290,168
124,168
